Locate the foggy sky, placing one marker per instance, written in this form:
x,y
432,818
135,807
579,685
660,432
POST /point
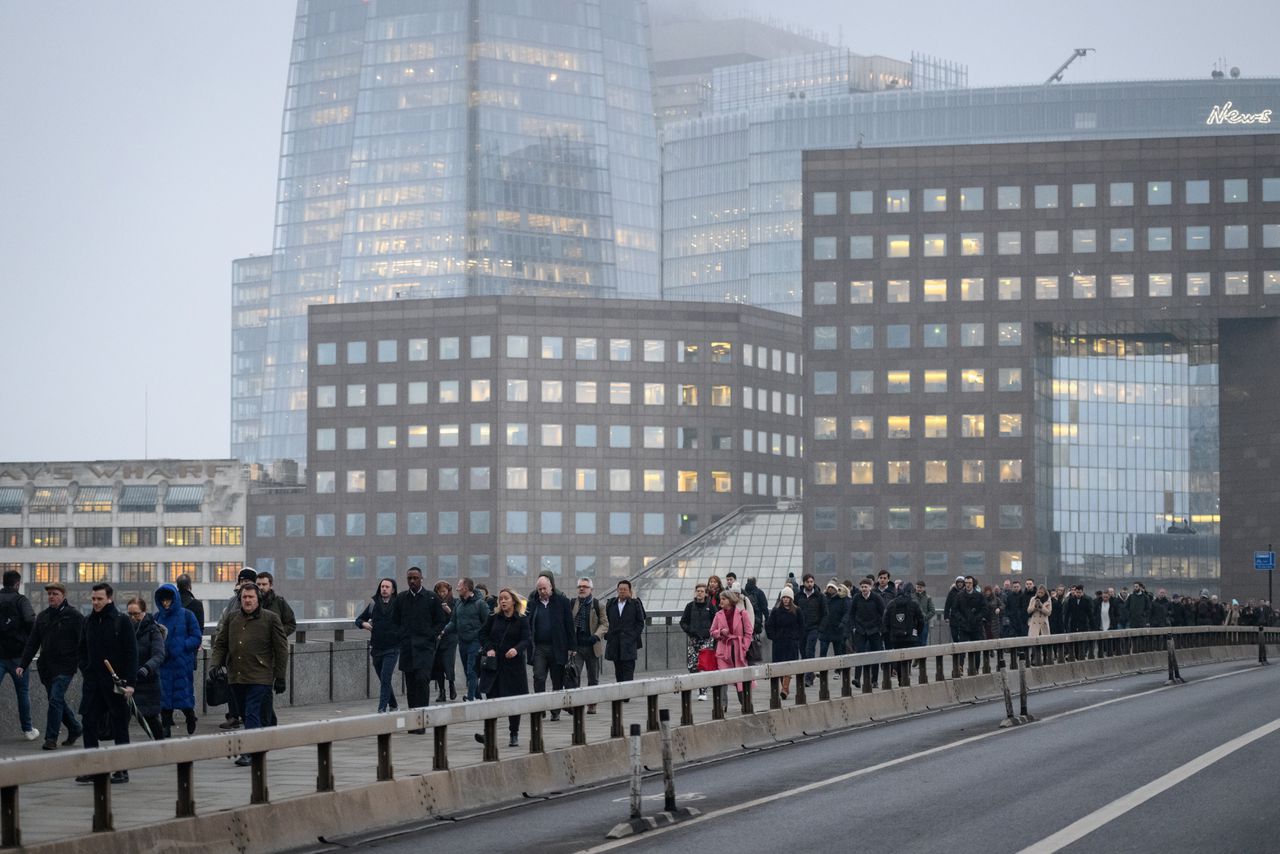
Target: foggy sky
x,y
140,144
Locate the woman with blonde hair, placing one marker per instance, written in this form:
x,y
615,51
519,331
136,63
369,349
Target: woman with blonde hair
x,y
731,630
504,643
1038,611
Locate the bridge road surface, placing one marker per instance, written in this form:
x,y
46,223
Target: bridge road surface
x,y
954,782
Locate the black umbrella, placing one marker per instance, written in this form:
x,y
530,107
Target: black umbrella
x,y
122,689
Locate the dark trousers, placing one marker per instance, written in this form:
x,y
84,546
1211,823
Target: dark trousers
x,y
101,703
835,647
384,664
252,699
544,660
467,651
587,657
903,666
624,671
866,643
809,649
417,688
59,711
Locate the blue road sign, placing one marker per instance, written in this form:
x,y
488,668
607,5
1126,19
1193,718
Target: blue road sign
x,y
1264,560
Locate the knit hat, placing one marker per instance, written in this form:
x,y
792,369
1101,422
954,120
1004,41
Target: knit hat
x,y
248,574
786,593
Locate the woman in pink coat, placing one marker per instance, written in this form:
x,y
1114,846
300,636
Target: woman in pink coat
x,y
731,630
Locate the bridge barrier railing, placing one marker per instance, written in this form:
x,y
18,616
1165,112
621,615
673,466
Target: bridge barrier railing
x,y
834,676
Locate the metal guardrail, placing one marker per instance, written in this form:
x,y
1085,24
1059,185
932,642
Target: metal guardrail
x,y
966,659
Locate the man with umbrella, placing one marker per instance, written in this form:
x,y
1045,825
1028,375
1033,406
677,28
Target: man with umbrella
x,y
107,644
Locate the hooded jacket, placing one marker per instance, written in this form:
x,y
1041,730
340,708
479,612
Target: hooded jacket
x,y
177,684
832,628
146,687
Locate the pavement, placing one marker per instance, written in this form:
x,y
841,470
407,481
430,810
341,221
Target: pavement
x,y
1112,766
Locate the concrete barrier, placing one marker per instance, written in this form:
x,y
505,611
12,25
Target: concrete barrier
x,y
299,821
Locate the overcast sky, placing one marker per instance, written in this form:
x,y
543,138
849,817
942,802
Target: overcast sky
x,y
140,143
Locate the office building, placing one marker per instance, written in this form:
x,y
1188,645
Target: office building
x,y
496,437
1050,360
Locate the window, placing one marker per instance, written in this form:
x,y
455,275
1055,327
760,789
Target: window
x,y
1159,193
1121,194
584,435
84,537
1010,515
619,480
973,517
899,518
1271,282
1010,424
686,481
355,480
824,428
972,379
935,246
973,426
1235,190
386,437
1235,284
824,382
1159,239
385,524
935,518
935,290
898,246
447,522
551,478
357,352
1010,379
354,568
179,536
97,499
935,426
327,353
935,381
1084,240
824,338
935,200
1084,287
1011,471
824,518
1197,238
355,525
1046,196
972,243
898,426
898,471
935,471
1235,237
1159,285
552,347
860,292
619,436
971,290
1009,198
655,394
972,471
619,349
584,391
1197,284
861,472
92,573
824,204
1084,195
230,535
386,480
897,201
1009,243
861,337
326,397
722,395
356,394
1009,334
584,523
899,290
1122,240
860,382
860,202
1271,189
517,346
387,350
448,392
1046,287
449,348
655,480
1047,242
688,395
861,247
517,434
295,525
824,248
1271,236
481,391
972,198
861,427
897,382
897,336
517,391
1121,286
1197,192
480,434
326,482
1009,288
585,480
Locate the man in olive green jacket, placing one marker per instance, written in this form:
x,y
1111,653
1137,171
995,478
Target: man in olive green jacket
x,y
926,608
254,653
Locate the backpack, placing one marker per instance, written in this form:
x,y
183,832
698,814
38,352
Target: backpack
x,y
13,632
899,625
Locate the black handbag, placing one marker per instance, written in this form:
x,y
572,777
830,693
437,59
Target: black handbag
x,y
488,663
216,690
570,680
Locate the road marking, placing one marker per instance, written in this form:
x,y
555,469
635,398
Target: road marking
x,y
862,772
1096,819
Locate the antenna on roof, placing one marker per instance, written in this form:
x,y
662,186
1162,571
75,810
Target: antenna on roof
x,y
1056,77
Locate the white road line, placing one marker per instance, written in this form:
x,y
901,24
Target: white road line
x,y
1096,819
862,772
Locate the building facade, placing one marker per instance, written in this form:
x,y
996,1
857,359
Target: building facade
x,y
457,148
134,523
1044,359
496,437
732,179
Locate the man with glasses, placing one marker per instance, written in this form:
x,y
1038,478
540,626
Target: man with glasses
x,y
590,625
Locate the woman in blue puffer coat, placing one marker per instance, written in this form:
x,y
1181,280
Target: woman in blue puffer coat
x,y
177,673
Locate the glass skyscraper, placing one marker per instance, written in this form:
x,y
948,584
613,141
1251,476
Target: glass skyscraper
x,y
460,147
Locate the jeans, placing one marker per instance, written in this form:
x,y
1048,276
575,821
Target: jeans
x,y
467,651
384,663
251,699
808,647
21,684
867,643
59,713
924,634
544,660
836,647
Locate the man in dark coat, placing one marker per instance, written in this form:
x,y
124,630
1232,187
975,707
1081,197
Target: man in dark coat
x,y
813,607
866,624
56,638
968,609
1077,616
903,623
108,636
1138,607
550,617
626,626
420,620
1160,607
17,618
276,604
189,600
956,589
1056,616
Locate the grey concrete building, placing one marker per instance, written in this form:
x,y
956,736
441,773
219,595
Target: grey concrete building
x,y
496,437
133,523
1047,359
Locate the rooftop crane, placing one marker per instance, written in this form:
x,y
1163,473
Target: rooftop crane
x,y
1056,77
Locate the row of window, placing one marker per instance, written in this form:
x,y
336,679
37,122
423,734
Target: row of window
x,y
125,572
481,434
182,535
452,522
898,472
101,499
446,566
1196,238
451,479
449,348
863,292
899,381
903,564
1117,194
518,390
930,518
826,427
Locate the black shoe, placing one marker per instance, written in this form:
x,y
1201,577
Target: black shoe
x,y
49,744
514,742
479,738
555,716
72,736
232,723
453,692
85,778
120,777
191,723
422,731
440,696
782,695
243,760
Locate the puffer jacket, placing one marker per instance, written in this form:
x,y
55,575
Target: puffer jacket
x,y
151,645
177,684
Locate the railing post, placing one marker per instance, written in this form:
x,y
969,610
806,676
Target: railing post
x,y
10,830
535,732
324,766
923,664
259,793
717,702
775,692
846,682
615,726
579,714
824,687
385,770
904,673
885,672
491,740
986,661
956,660
747,707
668,764
637,771
651,703
440,756
686,708
937,673
802,693
102,819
